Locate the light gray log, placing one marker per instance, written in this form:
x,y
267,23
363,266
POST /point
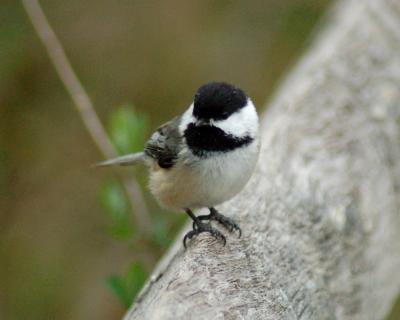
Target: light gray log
x,y
320,217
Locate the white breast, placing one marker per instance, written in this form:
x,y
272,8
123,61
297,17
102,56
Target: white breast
x,y
207,182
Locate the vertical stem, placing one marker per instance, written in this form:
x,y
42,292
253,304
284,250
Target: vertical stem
x,y
83,104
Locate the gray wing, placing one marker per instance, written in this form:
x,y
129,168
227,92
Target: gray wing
x,y
165,144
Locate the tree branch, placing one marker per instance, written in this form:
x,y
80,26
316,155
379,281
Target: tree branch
x,y
321,214
83,104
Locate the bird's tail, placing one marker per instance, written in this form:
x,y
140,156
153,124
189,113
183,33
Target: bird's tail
x,y
127,160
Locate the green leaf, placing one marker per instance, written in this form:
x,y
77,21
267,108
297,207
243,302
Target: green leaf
x,y
115,204
128,130
135,279
117,285
128,286
160,232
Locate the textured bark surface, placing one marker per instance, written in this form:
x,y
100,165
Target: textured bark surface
x,y
321,215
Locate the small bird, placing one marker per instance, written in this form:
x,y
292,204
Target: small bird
x,y
203,157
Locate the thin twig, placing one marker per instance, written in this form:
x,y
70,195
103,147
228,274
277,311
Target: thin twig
x,y
83,103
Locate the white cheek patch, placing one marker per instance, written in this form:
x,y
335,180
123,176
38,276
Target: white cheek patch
x,y
242,123
186,118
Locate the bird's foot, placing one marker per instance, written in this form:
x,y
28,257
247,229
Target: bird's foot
x,y
228,223
200,227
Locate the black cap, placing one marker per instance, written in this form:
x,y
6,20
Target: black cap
x,y
217,101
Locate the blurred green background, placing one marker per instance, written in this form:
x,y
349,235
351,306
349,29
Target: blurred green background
x,y
69,247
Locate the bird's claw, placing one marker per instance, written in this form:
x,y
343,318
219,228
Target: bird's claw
x,y
199,227
228,223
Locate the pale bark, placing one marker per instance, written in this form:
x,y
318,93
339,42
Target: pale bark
x,y
320,216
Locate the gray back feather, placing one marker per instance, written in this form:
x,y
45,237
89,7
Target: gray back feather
x,y
165,144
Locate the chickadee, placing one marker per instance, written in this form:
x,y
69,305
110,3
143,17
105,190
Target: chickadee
x,y
203,157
